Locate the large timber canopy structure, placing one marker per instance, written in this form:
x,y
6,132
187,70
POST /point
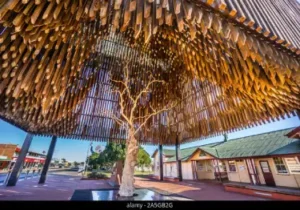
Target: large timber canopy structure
x,y
228,64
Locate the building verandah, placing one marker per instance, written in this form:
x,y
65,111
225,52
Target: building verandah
x,y
196,165
268,159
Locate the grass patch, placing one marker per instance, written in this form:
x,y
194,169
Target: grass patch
x,y
108,173
97,175
105,173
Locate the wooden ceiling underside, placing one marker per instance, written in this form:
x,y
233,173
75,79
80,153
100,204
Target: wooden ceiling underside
x,y
227,61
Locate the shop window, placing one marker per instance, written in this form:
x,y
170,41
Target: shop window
x,y
292,164
205,165
201,166
209,166
232,166
280,166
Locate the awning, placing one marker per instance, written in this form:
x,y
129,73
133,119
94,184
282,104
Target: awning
x,y
5,160
32,160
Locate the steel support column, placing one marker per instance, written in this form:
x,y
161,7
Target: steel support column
x,y
48,160
13,178
161,164
178,160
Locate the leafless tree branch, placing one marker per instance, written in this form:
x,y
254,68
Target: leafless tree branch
x,y
134,100
110,114
155,112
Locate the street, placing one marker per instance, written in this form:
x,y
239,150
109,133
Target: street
x,y
23,175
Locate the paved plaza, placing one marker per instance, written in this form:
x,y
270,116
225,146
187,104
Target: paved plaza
x,y
61,186
194,190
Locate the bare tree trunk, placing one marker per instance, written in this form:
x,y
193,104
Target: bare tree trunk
x,y
127,183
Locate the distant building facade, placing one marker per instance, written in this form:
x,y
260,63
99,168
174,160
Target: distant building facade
x,y
271,159
7,152
10,152
196,164
143,169
60,163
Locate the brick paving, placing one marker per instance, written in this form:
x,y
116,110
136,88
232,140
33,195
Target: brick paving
x,y
57,187
194,190
61,187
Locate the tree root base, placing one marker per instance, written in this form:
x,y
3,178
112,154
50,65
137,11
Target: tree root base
x,y
126,197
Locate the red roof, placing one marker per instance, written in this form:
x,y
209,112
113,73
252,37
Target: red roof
x,y
29,159
294,133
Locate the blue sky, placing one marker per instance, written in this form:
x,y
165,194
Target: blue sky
x,y
76,150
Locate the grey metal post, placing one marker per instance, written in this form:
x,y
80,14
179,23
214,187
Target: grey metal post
x,y
13,178
178,160
161,166
48,160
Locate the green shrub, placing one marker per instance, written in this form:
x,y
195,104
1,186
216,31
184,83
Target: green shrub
x,y
97,175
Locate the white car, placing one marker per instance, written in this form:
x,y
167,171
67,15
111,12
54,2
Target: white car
x,y
81,169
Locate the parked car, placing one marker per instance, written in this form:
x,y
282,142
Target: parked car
x,y
81,169
76,168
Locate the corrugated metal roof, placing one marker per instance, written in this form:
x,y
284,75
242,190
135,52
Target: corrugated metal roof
x,y
257,145
271,143
292,148
187,152
184,154
168,152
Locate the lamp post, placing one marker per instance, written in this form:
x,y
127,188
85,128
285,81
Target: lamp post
x,y
87,161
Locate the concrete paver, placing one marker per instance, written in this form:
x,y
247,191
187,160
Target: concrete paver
x,y
195,190
62,187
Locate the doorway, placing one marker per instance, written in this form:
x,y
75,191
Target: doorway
x,y
267,173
